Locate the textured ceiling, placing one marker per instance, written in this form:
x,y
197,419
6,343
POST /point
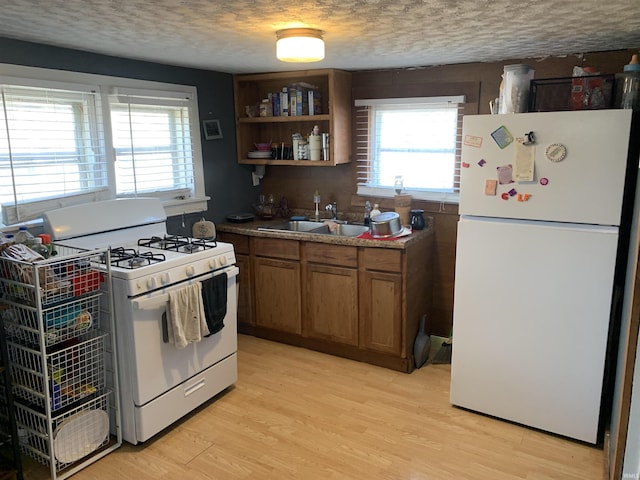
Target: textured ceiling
x,y
239,35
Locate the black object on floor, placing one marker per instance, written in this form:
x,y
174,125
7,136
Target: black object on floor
x,y
422,344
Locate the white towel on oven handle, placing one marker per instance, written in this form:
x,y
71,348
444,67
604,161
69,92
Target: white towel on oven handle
x,y
186,321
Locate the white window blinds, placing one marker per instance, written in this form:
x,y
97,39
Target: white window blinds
x,y
68,138
152,143
51,149
416,138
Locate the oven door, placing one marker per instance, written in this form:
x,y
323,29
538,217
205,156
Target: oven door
x,y
150,365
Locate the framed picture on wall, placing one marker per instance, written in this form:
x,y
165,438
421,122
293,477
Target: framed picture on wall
x,y
211,129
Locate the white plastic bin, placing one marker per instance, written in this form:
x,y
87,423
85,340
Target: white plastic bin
x,y
514,94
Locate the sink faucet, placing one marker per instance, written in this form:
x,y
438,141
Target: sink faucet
x,y
333,208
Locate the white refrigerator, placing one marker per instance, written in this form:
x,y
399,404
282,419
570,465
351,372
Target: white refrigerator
x,y
540,203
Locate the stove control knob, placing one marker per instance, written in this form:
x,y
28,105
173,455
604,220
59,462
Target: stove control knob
x,y
190,271
151,282
223,260
212,263
165,278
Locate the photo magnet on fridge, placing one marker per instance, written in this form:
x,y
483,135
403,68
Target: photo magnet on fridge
x,y
502,136
505,174
490,186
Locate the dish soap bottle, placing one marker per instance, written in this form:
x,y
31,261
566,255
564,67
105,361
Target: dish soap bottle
x,y
316,200
376,210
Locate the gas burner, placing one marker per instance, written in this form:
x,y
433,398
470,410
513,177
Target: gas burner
x,y
177,243
130,258
136,262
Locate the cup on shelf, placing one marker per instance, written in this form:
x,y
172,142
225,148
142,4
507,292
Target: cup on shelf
x,y
325,147
315,147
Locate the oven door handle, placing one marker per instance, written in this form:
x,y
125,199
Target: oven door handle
x,y
144,301
165,328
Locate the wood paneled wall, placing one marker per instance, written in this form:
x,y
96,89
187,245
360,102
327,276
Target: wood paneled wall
x,y
338,183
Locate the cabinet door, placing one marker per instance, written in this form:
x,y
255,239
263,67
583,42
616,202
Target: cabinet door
x,y
245,301
277,294
381,312
331,303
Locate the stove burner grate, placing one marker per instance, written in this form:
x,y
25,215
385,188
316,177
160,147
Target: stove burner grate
x,y
131,259
177,243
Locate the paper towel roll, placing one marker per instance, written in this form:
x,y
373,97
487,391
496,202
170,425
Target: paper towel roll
x,y
315,147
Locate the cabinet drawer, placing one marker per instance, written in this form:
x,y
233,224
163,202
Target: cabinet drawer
x,y
276,248
381,259
330,254
240,242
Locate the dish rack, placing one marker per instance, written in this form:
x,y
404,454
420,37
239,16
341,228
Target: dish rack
x,y
60,340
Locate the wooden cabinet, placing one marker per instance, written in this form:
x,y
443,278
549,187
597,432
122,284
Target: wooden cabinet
x,y
245,290
330,295
350,299
381,312
381,305
334,87
276,272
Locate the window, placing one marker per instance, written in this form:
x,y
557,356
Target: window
x,y
415,138
48,148
152,144
64,143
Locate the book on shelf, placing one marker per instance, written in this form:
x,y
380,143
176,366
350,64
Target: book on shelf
x,y
297,99
315,103
284,102
308,98
298,102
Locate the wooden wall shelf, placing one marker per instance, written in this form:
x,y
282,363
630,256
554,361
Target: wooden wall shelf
x,y
334,87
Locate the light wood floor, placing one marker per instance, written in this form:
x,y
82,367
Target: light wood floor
x,y
298,414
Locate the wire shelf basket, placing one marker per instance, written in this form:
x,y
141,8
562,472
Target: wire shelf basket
x,y
76,433
26,279
73,372
60,323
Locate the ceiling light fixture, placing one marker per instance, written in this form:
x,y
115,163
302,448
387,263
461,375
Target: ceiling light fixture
x,y
299,45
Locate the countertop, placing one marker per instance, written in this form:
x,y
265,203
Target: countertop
x,y
251,229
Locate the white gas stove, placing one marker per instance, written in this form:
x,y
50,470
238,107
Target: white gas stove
x,y
159,382
142,252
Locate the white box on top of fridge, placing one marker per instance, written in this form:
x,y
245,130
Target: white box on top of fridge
x,y
540,202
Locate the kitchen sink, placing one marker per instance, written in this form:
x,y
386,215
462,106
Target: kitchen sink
x,y
350,230
308,226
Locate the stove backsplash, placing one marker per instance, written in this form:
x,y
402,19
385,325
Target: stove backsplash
x,y
183,224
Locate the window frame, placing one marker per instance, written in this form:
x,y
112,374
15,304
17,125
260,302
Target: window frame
x,y
183,201
364,119
140,101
